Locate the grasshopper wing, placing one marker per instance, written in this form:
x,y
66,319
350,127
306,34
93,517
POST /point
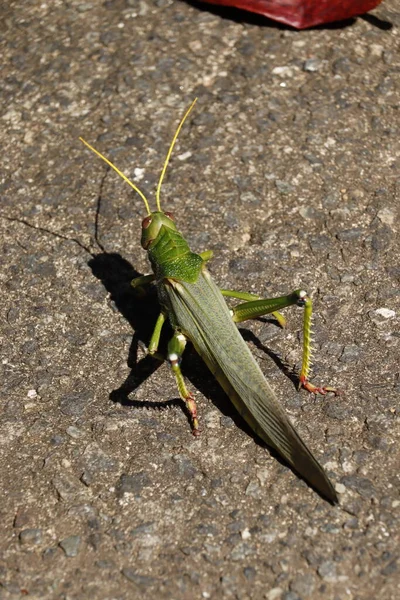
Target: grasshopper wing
x,y
202,315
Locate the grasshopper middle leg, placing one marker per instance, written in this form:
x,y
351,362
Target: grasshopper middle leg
x,y
176,347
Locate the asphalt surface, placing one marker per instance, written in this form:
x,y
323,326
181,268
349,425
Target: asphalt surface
x,y
288,170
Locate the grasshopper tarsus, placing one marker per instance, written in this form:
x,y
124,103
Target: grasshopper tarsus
x,y
313,389
192,410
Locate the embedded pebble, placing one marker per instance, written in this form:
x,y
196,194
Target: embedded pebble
x,y
350,353
253,489
291,596
74,404
327,570
303,585
143,528
386,313
284,71
249,573
391,568
73,432
283,187
71,545
95,460
362,485
30,536
132,484
227,421
347,235
387,216
185,466
140,580
240,551
68,487
312,65
340,488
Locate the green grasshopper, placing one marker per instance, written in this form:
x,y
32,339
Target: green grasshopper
x,y
197,311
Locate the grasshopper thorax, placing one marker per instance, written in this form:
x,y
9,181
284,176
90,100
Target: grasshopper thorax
x,y
152,224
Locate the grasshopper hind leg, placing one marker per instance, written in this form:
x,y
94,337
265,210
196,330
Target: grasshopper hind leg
x,y
304,301
176,346
258,307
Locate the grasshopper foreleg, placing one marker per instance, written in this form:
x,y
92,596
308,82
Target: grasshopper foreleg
x,y
258,307
139,283
176,347
206,255
155,337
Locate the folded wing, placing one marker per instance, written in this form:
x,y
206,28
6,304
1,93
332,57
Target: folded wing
x,y
204,318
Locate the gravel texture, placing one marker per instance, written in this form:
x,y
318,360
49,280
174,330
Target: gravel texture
x,y
288,170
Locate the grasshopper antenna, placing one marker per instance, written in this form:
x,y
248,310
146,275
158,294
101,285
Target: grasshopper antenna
x,y
170,152
124,177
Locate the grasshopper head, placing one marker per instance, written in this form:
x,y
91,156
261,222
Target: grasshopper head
x,y
152,224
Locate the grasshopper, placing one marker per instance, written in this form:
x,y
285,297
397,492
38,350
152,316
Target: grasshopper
x,y
197,311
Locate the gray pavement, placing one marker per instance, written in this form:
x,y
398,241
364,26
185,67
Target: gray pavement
x,y
289,171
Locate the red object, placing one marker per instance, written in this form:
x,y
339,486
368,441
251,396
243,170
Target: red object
x,y
303,13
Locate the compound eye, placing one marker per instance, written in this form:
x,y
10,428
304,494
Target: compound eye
x,y
169,215
146,222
